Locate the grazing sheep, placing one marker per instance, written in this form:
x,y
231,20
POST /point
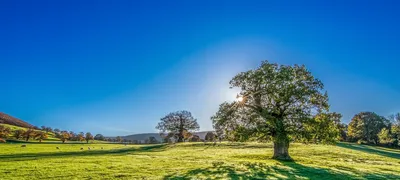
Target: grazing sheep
x,y
24,145
57,148
88,148
81,148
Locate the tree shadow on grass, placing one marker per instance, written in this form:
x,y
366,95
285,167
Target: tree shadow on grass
x,y
371,149
286,170
122,151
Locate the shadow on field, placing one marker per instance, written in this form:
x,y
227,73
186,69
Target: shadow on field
x,y
285,170
123,151
372,149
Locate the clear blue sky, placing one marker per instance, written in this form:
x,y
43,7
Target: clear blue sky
x,y
116,67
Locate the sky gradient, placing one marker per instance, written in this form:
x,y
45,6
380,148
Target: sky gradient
x,y
117,67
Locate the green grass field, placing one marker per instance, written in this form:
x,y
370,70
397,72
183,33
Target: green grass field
x,y
196,161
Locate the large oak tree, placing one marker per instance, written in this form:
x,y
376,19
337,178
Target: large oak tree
x,y
178,123
276,102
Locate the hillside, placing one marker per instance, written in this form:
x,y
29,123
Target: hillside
x,y
7,119
145,136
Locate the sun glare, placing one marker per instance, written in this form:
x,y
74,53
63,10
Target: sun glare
x,y
239,99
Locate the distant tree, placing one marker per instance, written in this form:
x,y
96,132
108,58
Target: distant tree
x,y
81,136
210,136
365,126
323,128
56,130
29,134
49,129
36,128
99,137
57,135
72,136
164,137
226,121
153,140
19,133
43,128
177,123
187,135
275,101
396,134
88,137
195,138
4,131
39,135
64,136
395,128
343,132
385,137
119,139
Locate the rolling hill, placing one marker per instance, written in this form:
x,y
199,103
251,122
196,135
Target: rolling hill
x,y
7,119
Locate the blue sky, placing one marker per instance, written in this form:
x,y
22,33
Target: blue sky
x,y
116,67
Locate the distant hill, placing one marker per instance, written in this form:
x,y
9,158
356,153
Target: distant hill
x,y
145,136
7,119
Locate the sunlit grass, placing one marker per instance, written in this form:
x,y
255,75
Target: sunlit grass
x,y
196,160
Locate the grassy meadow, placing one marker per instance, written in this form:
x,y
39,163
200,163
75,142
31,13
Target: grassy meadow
x,y
196,161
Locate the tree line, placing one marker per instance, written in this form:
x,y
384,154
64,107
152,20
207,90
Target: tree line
x,y
119,139
44,133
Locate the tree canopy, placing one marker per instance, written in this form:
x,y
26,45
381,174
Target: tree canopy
x,y
99,137
276,102
366,126
178,123
4,131
88,137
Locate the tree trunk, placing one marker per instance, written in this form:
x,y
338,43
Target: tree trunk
x,y
180,138
281,143
281,150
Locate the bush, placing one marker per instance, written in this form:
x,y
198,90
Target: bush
x,y
195,138
362,142
385,138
